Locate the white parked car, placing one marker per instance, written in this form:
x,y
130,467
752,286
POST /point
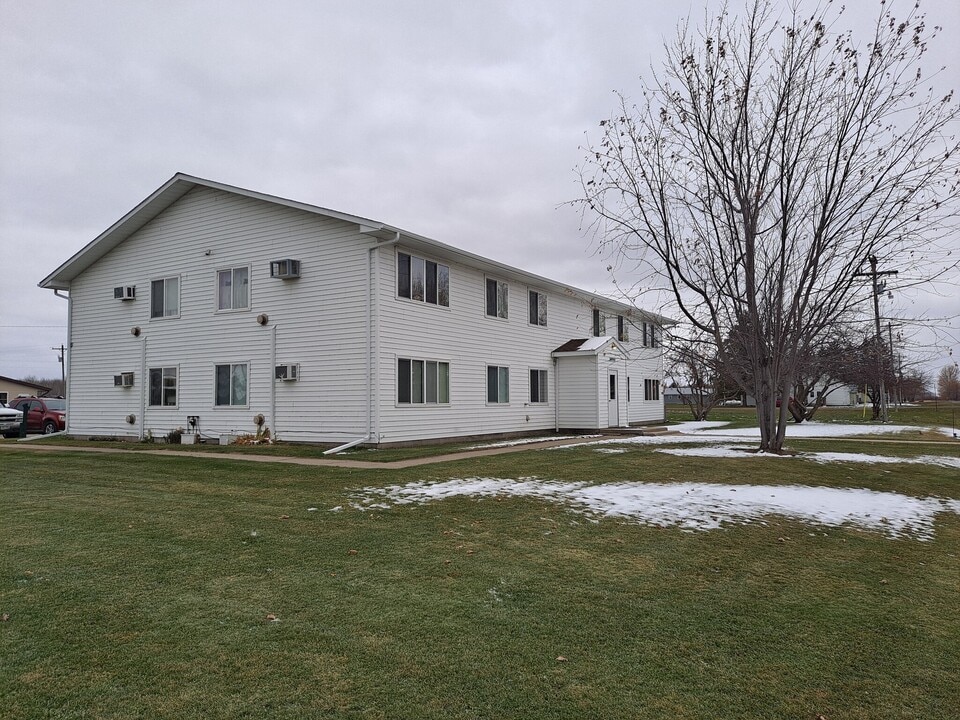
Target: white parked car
x,y
9,421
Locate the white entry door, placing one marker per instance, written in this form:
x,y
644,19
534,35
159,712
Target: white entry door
x,y
613,402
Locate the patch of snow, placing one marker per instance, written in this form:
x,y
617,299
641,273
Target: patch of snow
x,y
526,441
595,343
611,451
692,506
812,429
727,451
694,425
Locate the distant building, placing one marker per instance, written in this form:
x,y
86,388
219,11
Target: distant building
x,y
10,388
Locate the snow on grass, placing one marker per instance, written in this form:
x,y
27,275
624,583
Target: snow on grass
x,y
812,429
713,431
527,441
744,451
691,506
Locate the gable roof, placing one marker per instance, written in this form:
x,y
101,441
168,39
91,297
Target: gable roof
x,y
588,346
35,386
181,183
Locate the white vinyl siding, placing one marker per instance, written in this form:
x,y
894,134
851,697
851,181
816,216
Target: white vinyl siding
x,y
330,346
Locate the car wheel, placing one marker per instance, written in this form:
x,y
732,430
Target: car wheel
x,y
49,427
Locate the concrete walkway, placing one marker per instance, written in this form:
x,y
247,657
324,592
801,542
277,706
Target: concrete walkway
x,y
395,464
290,460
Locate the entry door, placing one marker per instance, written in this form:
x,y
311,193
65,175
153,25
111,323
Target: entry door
x,y
613,404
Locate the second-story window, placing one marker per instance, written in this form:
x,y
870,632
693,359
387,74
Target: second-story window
x,y
497,294
165,297
538,308
651,335
233,289
622,334
423,280
599,323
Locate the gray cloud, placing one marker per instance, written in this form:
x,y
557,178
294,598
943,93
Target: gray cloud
x,y
460,121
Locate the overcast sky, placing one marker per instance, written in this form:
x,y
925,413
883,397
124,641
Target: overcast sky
x,y
461,121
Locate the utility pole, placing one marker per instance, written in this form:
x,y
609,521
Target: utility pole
x,y
63,374
873,275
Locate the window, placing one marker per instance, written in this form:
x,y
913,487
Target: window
x,y
498,384
622,334
423,280
422,382
233,289
497,294
628,388
165,297
3,398
651,389
651,335
599,324
613,387
538,386
163,386
538,308
231,384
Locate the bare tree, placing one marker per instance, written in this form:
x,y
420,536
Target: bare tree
x,y
766,163
697,374
948,382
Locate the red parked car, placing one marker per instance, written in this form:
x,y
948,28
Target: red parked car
x,y
44,415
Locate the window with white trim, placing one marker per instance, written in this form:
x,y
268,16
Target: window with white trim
x,y
422,280
165,297
423,382
498,384
538,386
538,308
233,289
498,293
231,384
623,335
651,389
163,386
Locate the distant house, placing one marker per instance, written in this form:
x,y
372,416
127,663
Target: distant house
x,y
216,304
11,388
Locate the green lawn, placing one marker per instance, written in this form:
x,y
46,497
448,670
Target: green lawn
x,y
141,587
939,414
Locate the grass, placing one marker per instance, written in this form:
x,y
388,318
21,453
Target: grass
x,y
930,414
140,587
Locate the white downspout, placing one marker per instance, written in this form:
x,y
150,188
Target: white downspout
x,y
373,346
143,386
273,381
68,355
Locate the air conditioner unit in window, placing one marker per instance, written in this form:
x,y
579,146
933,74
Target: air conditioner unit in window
x,y
285,269
287,372
123,380
127,292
